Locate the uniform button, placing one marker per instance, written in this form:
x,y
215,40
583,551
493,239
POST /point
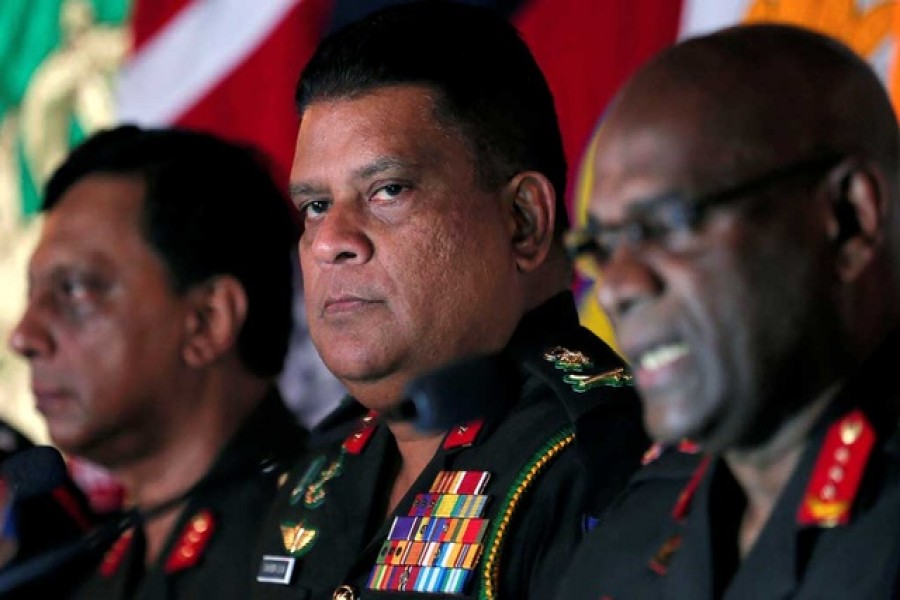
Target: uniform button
x,y
343,592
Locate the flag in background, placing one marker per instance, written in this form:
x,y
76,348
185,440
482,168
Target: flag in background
x,y
68,67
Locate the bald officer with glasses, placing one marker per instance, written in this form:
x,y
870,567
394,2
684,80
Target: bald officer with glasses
x,y
745,228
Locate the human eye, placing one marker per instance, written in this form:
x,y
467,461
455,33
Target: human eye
x,y
389,192
74,288
312,209
77,285
666,223
78,294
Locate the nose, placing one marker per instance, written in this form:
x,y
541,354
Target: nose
x,y
30,338
626,282
340,237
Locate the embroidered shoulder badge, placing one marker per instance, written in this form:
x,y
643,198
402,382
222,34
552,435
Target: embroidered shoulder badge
x,y
574,363
568,360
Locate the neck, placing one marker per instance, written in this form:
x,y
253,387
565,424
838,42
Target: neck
x,y
416,451
187,451
764,472
553,277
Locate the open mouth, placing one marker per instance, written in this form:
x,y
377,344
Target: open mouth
x,y
662,356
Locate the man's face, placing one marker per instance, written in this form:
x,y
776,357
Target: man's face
x,y
102,327
717,323
407,261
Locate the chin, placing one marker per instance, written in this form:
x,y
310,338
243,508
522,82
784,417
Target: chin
x,y
354,357
69,444
355,373
664,418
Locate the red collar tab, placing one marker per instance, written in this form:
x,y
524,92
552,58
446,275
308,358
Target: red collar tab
x,y
192,543
683,505
356,441
463,435
652,453
660,562
687,446
656,450
116,553
838,471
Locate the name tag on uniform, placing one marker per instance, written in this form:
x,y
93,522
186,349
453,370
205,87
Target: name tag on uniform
x,y
276,569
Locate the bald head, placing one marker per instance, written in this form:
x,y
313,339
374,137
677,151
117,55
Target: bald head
x,y
762,95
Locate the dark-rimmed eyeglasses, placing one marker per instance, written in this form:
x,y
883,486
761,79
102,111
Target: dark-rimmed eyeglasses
x,y
671,220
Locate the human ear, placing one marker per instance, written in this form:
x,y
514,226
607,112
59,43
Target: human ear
x,y
533,205
218,309
858,203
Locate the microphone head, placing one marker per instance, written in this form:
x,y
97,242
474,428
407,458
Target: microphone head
x,y
47,507
473,388
34,472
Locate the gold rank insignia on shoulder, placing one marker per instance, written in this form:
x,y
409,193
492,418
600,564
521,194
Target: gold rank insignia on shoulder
x,y
574,363
297,538
568,360
619,377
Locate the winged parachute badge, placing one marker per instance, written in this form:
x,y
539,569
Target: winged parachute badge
x,y
297,538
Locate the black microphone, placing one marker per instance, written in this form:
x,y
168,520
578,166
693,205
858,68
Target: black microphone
x,y
52,519
46,507
479,387
42,475
54,562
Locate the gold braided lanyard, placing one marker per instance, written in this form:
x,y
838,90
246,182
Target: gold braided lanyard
x,y
490,575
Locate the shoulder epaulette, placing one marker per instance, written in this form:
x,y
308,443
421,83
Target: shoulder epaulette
x,y
580,372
